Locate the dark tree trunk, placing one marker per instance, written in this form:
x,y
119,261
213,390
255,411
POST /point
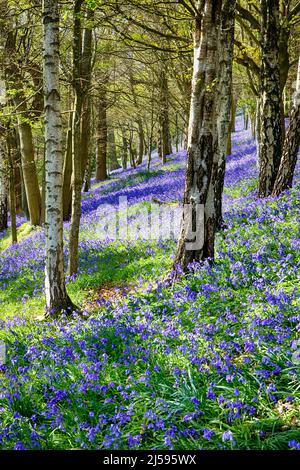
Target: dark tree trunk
x,y
159,147
12,185
76,141
164,116
233,105
15,151
226,106
113,159
85,136
3,186
67,173
284,179
141,142
176,133
124,151
15,81
86,72
271,121
102,133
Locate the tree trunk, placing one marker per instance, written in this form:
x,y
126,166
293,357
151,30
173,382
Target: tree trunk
x,y
67,173
15,80
207,135
233,113
16,154
57,299
159,147
246,120
86,73
3,186
258,130
226,106
176,133
124,151
141,142
113,159
87,177
164,116
85,135
233,105
289,157
31,183
24,198
102,133
271,123
12,185
76,141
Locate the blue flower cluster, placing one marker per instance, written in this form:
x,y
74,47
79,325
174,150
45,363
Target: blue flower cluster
x,y
208,363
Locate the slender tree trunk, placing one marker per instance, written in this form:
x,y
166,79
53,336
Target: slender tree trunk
x,y
12,185
67,173
102,134
3,186
233,106
203,152
246,120
139,160
85,135
159,147
76,141
271,123
113,159
164,116
233,113
225,109
88,176
86,72
17,166
124,151
57,299
43,195
258,130
289,157
31,183
176,133
24,198
15,80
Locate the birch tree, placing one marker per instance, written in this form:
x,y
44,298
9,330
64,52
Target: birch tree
x,y
56,296
204,149
288,162
226,102
271,123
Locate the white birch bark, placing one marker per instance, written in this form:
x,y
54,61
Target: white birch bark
x,y
56,296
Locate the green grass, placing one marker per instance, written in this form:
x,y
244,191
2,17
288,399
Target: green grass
x,y
143,340
22,232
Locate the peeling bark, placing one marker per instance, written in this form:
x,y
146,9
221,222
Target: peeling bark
x,y
57,299
205,151
271,123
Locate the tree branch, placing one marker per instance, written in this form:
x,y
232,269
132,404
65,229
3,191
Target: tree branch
x,y
247,15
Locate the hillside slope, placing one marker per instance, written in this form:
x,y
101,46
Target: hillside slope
x,y
208,363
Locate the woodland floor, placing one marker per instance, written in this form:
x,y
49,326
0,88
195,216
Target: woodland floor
x,y
208,363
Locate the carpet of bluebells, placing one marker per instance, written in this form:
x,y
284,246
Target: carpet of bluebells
x,y
210,362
